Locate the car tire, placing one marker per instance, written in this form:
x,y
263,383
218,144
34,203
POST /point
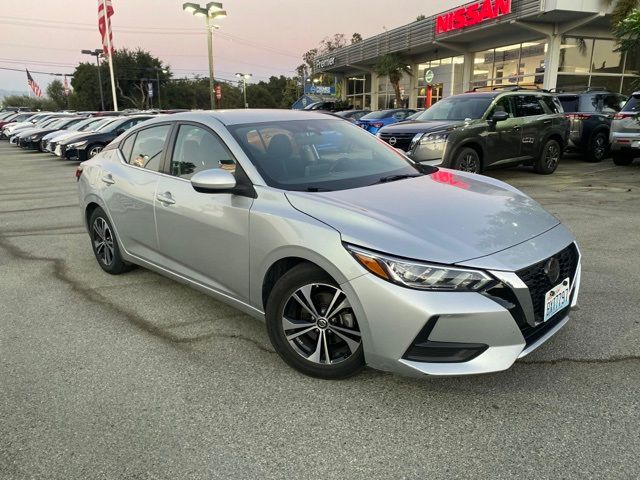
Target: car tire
x,y
598,147
328,347
622,159
93,150
105,245
467,160
549,158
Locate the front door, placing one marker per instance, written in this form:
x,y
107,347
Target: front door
x,y
504,138
129,189
203,236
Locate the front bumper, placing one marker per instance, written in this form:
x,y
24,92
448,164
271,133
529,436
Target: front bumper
x,y
75,154
482,333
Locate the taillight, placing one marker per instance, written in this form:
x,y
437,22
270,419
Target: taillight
x,y
621,115
578,116
78,172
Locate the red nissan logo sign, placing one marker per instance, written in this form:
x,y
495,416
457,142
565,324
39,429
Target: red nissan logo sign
x,y
472,15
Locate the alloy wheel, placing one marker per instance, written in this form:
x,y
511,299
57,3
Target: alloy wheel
x,y
103,241
320,325
93,151
599,147
552,156
469,163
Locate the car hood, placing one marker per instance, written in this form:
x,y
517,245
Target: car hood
x,y
57,134
80,137
445,217
26,132
414,126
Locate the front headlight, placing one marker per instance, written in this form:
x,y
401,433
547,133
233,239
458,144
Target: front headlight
x,y
434,138
421,275
77,145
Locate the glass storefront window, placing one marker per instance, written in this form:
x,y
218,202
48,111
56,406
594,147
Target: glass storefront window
x,y
608,83
482,68
572,83
510,65
575,55
359,91
605,58
632,63
630,85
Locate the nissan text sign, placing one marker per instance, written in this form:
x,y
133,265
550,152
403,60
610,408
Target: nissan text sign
x,y
472,14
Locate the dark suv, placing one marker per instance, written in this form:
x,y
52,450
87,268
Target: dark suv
x,y
590,114
475,130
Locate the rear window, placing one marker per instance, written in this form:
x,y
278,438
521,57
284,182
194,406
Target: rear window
x,y
569,102
633,105
377,115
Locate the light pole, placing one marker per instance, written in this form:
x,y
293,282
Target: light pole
x,y
244,77
211,11
97,53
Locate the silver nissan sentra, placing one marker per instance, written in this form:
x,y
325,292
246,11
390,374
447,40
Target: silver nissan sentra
x,y
351,253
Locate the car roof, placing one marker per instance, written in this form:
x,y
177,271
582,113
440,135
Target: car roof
x,y
242,116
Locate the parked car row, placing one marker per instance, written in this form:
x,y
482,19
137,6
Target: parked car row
x,y
69,136
514,126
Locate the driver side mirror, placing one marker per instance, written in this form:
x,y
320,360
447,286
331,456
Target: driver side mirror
x,y
499,116
214,180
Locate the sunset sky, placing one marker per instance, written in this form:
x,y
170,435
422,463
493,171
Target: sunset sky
x,y
259,37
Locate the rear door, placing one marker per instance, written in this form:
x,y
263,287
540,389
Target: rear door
x,y
129,189
203,236
536,123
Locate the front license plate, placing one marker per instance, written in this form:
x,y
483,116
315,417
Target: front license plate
x,y
556,299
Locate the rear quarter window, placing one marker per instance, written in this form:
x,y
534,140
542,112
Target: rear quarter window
x,y
569,102
552,104
632,105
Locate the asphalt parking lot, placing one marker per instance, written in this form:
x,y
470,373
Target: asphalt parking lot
x,y
138,377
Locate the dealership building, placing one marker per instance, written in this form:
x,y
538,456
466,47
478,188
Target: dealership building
x,y
561,44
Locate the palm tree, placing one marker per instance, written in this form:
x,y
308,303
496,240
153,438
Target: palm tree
x,y
622,9
393,66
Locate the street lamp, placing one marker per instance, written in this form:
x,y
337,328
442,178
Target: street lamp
x,y
158,70
244,77
97,53
211,11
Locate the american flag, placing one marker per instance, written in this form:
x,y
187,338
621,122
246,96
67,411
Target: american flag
x,y
66,86
104,25
33,85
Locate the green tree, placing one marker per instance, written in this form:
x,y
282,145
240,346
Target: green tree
x,y
356,38
420,17
258,96
627,32
55,91
393,67
86,90
622,9
31,102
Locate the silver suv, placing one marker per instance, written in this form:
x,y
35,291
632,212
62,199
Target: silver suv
x,y
349,251
625,132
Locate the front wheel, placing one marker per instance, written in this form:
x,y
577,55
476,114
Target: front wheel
x,y
622,159
93,150
467,160
549,158
312,326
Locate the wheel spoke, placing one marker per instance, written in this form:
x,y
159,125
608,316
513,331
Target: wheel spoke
x,y
302,332
327,357
315,356
333,308
96,229
352,344
289,324
306,301
345,330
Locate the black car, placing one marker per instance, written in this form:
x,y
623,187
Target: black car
x,y
590,114
475,130
82,147
32,140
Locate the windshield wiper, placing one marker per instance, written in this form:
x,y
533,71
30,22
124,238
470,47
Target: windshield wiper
x,y
393,178
318,189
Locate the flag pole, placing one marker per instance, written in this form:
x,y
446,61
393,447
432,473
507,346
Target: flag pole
x,y
107,34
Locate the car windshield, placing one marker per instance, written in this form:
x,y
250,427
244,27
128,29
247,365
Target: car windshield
x,y
103,125
377,115
82,125
320,155
459,108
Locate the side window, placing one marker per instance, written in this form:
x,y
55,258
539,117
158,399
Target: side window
x,y
612,104
126,147
502,105
552,104
148,146
197,149
400,115
527,106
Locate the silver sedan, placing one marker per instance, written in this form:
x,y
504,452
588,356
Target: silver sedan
x,y
350,252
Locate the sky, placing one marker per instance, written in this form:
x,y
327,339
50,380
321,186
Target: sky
x,y
261,37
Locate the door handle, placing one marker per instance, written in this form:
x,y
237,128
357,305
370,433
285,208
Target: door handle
x,y
547,122
108,179
516,129
165,198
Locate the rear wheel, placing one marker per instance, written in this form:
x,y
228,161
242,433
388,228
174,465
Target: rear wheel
x,y
549,158
622,159
105,245
467,160
312,326
598,147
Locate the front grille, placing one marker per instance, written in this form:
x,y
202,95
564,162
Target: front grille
x,y
403,140
538,282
